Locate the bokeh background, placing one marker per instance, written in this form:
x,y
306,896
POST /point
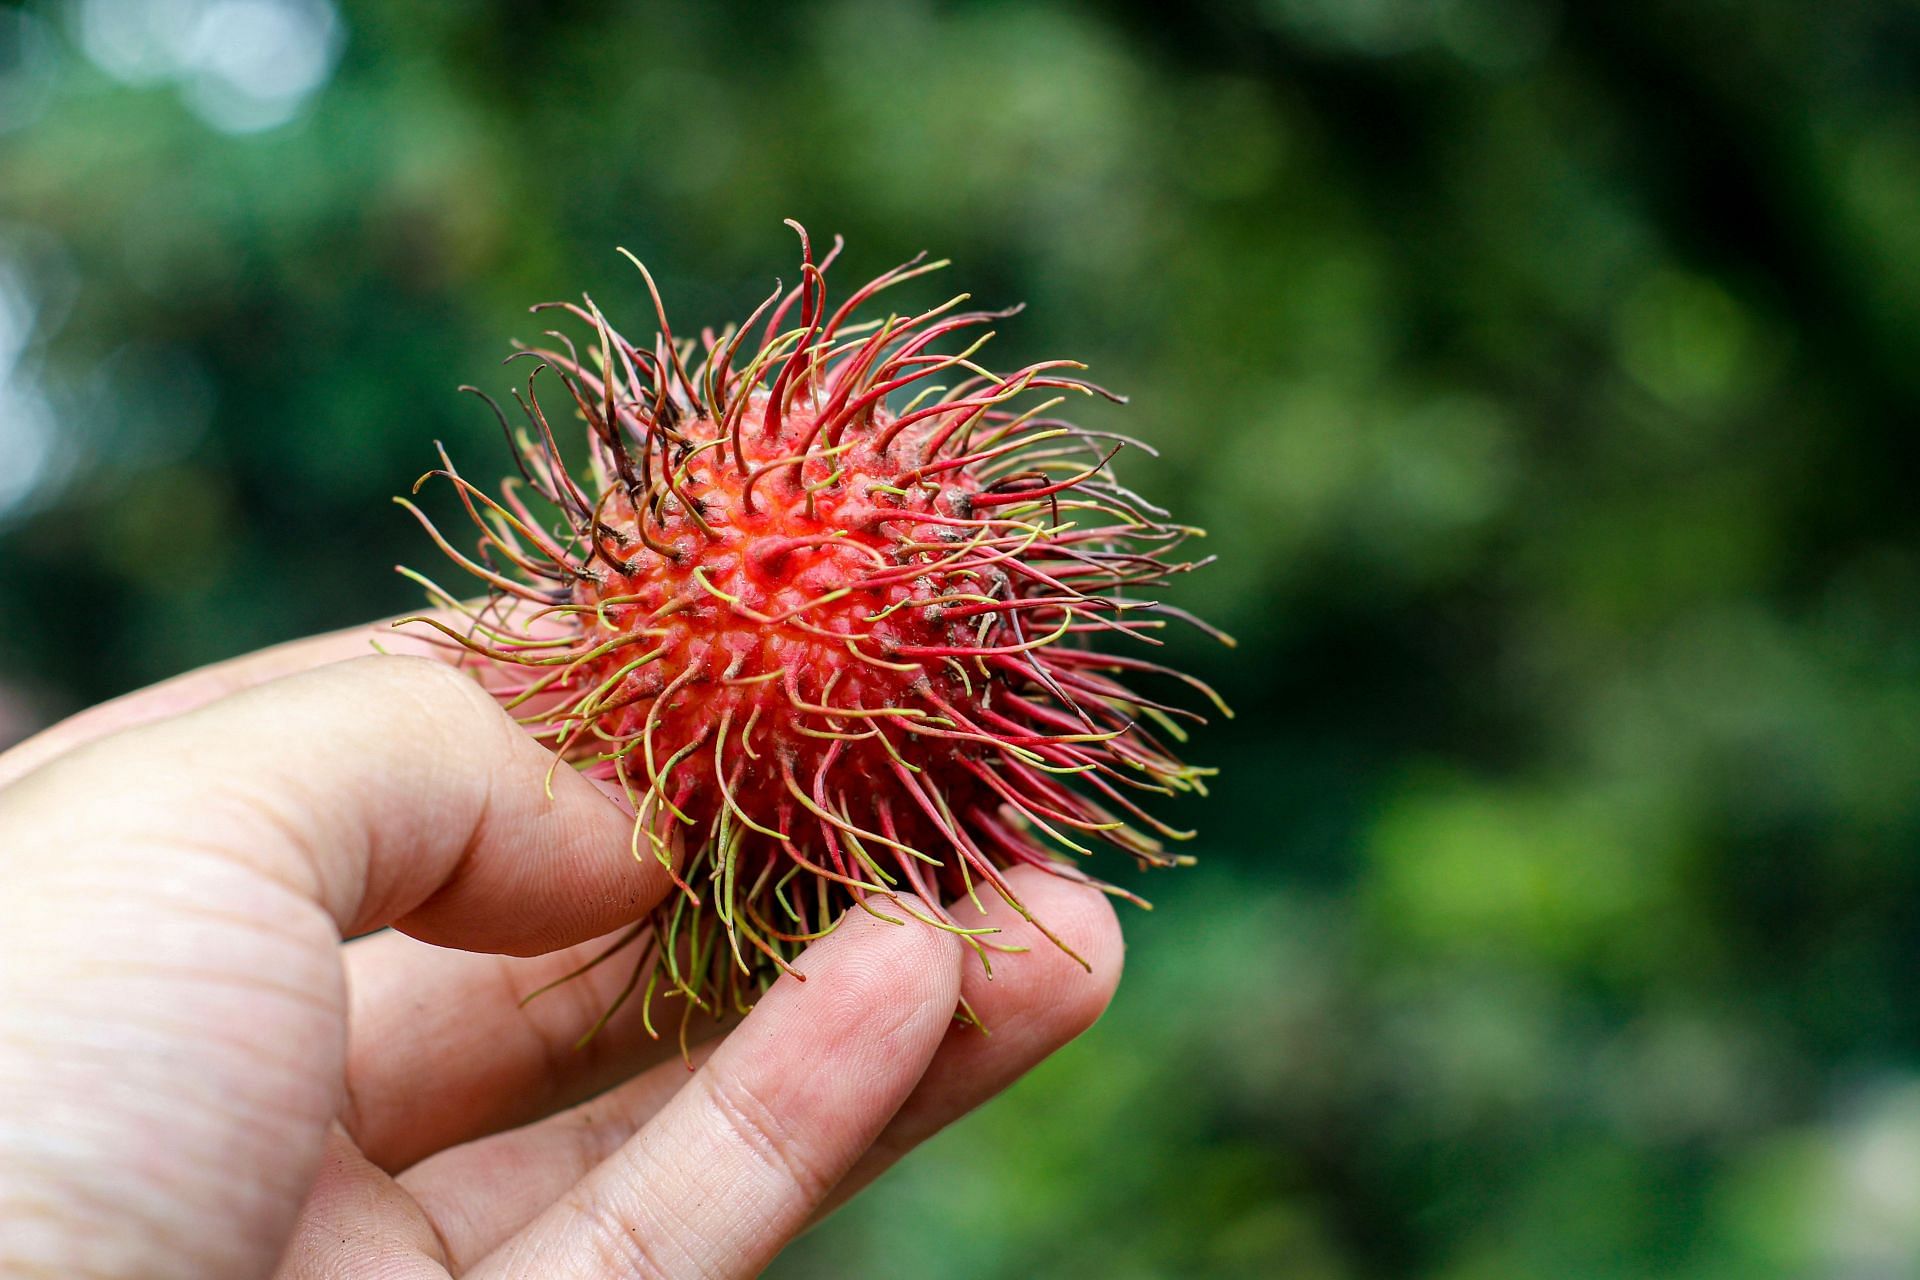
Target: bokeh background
x,y
1547,373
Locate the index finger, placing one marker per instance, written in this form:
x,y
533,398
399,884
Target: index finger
x,y
206,684
382,790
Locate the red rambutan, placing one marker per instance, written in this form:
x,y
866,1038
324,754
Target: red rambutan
x,y
825,605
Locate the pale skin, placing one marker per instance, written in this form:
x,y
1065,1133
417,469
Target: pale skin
x,y
200,1078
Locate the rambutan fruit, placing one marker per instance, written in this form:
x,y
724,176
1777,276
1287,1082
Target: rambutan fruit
x,y
835,613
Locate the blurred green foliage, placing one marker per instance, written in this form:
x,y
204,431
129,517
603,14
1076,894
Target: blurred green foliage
x,y
1546,372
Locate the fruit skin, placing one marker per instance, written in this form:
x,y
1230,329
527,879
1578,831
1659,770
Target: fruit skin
x,y
826,610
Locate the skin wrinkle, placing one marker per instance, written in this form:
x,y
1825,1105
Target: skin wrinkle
x,y
261,1054
291,837
756,1127
195,906
313,986
673,1220
209,974
60,1189
622,1248
192,1186
258,1122
163,1211
601,1137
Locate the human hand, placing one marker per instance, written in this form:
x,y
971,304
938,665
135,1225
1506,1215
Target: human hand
x,y
199,1078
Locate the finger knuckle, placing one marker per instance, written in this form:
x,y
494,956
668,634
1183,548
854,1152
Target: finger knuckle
x,y
616,1246
757,1128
